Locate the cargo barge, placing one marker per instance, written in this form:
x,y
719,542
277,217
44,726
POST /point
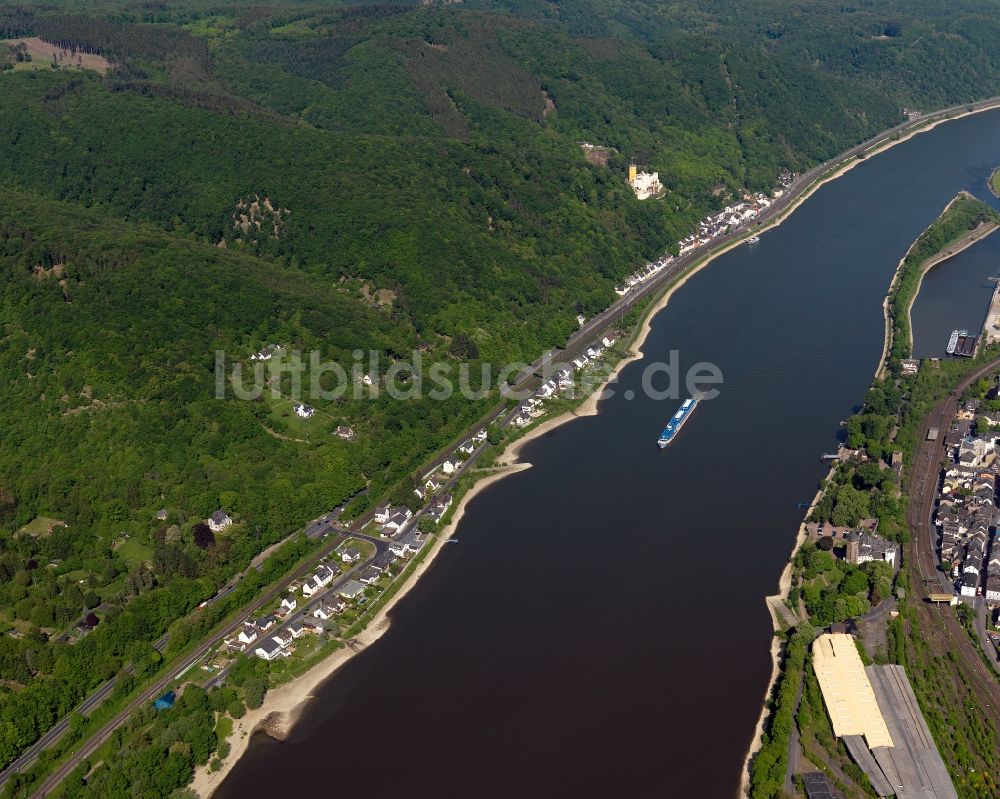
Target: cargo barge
x,y
961,343
677,422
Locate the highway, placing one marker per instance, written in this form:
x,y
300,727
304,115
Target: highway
x,y
528,379
920,551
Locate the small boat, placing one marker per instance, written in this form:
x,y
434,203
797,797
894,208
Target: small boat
x,y
753,240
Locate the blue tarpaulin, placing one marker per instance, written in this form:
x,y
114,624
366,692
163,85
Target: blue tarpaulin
x,y
165,701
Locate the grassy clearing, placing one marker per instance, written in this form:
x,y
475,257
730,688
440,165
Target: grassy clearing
x,y
212,27
40,525
134,552
285,422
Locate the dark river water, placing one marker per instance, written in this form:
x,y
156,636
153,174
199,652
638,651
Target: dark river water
x,y
955,295
600,629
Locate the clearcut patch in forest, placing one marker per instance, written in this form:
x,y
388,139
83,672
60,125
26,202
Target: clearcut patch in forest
x,y
40,55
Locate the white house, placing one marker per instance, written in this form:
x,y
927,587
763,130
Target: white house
x,y
266,353
480,435
438,508
413,541
608,340
283,637
248,634
289,603
344,432
433,483
350,555
399,519
370,576
271,649
296,630
399,549
863,546
329,608
351,589
993,588
219,521
304,411
326,573
335,603
319,580
382,513
448,467
467,447
970,583
264,623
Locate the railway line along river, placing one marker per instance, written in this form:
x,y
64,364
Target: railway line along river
x,y
601,629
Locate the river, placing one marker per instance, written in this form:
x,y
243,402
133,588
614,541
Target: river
x,y
600,629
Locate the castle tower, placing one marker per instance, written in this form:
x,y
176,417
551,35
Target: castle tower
x,y
632,172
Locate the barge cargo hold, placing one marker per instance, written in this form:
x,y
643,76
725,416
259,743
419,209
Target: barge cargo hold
x,y
953,340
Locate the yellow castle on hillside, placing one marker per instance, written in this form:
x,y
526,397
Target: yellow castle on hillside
x,y
644,184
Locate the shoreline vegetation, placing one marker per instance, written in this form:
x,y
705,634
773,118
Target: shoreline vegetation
x,y
901,338
284,704
994,182
963,222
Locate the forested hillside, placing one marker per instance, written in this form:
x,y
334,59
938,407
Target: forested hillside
x,y
393,177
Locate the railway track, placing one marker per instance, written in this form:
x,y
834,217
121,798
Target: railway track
x,y
921,548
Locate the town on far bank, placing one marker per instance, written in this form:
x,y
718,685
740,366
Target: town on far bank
x,y
966,514
869,716
886,681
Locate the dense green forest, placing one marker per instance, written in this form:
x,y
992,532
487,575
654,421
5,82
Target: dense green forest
x,y
333,177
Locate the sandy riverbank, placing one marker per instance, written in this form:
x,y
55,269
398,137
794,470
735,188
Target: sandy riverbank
x,y
283,705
